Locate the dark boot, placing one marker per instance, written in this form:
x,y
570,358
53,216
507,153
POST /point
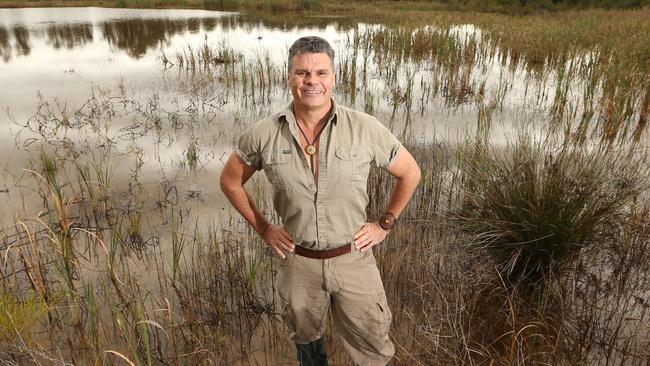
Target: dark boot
x,y
312,354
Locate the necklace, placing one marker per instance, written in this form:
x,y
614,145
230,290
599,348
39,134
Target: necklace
x,y
311,149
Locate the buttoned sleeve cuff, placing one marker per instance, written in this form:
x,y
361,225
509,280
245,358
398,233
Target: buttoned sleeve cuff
x,y
394,155
248,148
246,159
385,145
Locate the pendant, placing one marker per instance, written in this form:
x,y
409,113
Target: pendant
x,y
310,150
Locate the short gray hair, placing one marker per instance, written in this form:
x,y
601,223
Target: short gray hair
x,y
311,44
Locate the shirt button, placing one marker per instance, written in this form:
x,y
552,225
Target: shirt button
x,y
311,186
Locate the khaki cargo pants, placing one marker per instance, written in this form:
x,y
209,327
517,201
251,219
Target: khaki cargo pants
x,y
350,284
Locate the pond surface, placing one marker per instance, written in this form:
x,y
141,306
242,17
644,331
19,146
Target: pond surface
x,y
66,56
56,60
59,52
156,98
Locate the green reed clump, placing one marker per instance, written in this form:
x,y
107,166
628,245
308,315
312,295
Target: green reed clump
x,y
18,315
192,154
534,209
203,58
60,229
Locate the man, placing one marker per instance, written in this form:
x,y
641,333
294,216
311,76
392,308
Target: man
x,y
317,156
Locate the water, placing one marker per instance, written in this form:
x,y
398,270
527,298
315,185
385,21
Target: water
x,y
60,52
118,84
67,55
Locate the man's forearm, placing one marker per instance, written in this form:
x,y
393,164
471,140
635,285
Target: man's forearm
x,y
244,204
402,193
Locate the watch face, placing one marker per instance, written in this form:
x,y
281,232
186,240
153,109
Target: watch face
x,y
387,221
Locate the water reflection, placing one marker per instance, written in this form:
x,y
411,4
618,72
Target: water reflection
x,y
5,48
69,35
133,36
21,37
138,35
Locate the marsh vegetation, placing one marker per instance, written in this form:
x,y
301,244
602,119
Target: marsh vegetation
x,y
527,242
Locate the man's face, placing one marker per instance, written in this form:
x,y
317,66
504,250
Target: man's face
x,y
311,80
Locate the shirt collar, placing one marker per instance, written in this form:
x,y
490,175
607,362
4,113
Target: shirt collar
x,y
288,116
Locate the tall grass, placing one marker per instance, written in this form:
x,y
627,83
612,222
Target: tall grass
x,y
534,210
455,297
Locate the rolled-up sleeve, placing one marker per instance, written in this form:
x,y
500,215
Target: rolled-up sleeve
x,y
248,148
385,145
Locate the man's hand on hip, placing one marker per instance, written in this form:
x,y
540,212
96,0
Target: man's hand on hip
x,y
279,239
369,235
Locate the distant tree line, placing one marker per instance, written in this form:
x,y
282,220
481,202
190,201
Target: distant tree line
x,y
544,4
578,3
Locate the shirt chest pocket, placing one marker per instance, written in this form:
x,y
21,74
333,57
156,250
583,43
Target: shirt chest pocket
x,y
354,164
277,166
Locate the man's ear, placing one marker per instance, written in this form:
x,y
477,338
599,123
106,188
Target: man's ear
x,y
288,78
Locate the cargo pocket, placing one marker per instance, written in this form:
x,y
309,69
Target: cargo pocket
x,y
354,164
289,319
365,323
276,167
284,279
384,316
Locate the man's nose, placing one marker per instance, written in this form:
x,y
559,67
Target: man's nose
x,y
308,78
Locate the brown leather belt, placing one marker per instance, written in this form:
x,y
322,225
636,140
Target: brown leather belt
x,y
322,254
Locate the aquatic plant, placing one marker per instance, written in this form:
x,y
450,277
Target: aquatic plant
x,y
534,209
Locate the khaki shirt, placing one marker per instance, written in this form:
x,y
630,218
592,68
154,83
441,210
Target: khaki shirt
x,y
327,213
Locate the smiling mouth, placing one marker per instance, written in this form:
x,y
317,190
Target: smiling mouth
x,y
312,92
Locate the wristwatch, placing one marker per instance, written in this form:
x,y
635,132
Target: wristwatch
x,y
387,221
